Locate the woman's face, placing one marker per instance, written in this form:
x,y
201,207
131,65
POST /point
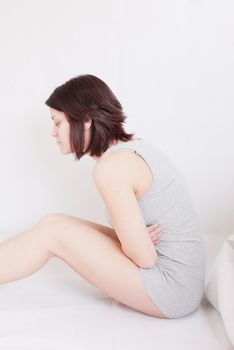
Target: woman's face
x,y
61,130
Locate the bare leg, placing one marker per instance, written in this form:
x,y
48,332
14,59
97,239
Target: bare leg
x,y
95,256
24,254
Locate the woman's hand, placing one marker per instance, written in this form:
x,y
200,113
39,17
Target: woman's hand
x,y
155,233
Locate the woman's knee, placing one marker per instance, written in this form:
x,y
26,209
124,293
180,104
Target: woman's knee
x,y
54,228
46,226
49,219
51,224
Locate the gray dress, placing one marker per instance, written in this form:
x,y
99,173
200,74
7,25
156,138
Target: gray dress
x,y
176,282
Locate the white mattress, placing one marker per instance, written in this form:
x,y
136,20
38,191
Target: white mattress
x,y
56,309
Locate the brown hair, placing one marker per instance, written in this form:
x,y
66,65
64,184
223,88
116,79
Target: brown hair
x,y
84,97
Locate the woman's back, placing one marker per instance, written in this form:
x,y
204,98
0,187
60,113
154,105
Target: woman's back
x,y
181,254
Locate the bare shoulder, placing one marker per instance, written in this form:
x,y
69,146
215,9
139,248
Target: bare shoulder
x,y
126,167
121,164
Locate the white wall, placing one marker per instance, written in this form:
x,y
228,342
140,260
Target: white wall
x,y
170,63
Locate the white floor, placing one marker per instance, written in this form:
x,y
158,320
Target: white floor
x,y
56,309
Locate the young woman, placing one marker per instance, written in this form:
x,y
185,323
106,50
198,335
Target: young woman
x,y
145,196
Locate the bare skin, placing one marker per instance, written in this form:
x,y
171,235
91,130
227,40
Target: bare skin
x,y
70,238
91,249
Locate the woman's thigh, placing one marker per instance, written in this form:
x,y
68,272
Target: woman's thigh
x,y
99,259
101,228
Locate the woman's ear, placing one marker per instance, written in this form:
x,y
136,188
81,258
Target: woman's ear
x,y
88,123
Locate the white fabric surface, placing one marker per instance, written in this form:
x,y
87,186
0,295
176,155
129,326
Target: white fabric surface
x,y
219,285
56,309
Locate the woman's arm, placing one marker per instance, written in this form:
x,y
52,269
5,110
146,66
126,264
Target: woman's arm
x,y
117,191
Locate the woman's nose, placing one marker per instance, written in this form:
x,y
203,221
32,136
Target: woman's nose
x,y
54,134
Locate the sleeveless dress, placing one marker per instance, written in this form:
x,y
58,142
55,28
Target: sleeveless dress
x,y
176,282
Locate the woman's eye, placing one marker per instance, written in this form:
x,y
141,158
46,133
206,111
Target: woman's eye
x,y
56,124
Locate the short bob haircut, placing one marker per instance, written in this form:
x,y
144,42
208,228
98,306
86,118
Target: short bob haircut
x,y
87,97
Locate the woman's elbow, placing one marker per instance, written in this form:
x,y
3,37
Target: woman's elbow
x,y
149,263
146,261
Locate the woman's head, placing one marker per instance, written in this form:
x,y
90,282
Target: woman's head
x,y
89,114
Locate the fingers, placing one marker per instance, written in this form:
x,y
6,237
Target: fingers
x,y
155,233
153,227
155,239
